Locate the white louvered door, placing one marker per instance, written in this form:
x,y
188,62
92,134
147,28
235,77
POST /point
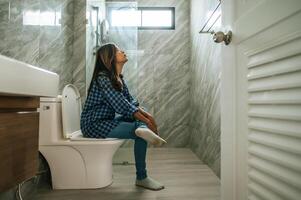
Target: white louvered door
x,y
267,39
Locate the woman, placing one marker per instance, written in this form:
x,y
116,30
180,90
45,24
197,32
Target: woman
x,y
108,94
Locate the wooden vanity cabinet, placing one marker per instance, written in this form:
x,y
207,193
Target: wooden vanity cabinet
x,y
19,133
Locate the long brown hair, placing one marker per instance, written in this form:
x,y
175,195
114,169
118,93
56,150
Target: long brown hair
x,y
105,63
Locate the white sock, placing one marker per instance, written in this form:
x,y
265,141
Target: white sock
x,y
149,183
149,136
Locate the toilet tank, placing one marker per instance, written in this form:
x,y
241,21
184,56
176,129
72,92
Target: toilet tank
x,y
50,124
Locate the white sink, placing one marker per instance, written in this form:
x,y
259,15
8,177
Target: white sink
x,y
18,78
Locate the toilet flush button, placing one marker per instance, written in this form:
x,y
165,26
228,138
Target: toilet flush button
x,y
46,107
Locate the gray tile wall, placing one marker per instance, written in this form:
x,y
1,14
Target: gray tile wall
x,y
163,73
205,88
46,46
17,40
79,47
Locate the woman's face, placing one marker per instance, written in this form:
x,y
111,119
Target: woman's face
x,y
120,56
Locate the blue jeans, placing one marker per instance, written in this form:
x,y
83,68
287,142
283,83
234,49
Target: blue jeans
x,y
126,130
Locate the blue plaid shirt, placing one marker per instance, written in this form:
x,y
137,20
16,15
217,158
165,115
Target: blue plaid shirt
x,y
103,101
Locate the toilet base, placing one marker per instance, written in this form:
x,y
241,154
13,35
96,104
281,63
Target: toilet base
x,y
80,166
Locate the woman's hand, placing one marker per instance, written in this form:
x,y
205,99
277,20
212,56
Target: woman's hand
x,y
150,123
152,120
152,126
148,116
147,119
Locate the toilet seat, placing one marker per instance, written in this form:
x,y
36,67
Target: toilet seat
x,y
78,136
79,141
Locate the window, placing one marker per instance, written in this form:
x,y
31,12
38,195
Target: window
x,y
36,18
145,18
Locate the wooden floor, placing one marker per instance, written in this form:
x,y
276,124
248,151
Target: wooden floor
x,y
185,178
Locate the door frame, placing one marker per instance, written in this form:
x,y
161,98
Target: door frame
x,y
228,107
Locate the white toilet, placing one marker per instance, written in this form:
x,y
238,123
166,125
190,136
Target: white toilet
x,y
75,162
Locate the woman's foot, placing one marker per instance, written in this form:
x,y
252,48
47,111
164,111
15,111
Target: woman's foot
x,y
159,142
150,136
149,183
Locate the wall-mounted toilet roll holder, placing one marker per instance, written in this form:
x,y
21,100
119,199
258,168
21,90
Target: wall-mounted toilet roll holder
x,y
220,36
214,21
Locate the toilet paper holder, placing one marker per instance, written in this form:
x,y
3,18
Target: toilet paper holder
x,y
220,36
215,21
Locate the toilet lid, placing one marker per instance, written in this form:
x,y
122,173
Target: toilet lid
x,y
71,110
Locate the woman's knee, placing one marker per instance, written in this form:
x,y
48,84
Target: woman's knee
x,y
125,130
